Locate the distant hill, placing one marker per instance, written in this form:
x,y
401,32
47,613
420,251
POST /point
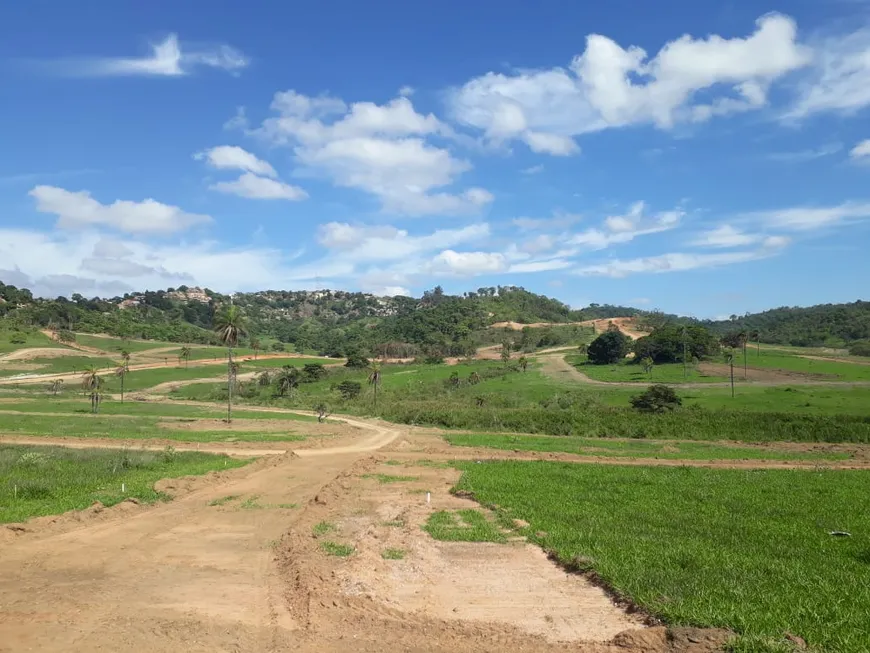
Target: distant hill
x,y
831,325
329,321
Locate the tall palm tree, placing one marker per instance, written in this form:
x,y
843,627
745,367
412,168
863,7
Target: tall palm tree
x,y
125,358
230,325
121,373
255,345
185,355
375,379
92,383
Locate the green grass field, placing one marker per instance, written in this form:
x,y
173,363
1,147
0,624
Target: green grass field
x,y
128,428
58,365
32,338
628,371
745,550
37,481
629,448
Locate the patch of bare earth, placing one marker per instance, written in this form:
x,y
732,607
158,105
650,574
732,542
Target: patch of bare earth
x,y
761,374
443,596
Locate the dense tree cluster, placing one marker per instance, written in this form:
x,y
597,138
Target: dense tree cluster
x,y
667,344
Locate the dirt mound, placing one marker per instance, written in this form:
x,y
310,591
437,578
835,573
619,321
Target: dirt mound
x,y
761,374
43,352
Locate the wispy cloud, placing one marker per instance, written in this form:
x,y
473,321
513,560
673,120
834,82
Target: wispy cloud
x,y
167,59
801,156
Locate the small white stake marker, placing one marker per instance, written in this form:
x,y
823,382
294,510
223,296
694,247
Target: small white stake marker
x,y
123,488
428,497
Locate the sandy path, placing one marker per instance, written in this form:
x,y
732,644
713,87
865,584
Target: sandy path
x,y
29,353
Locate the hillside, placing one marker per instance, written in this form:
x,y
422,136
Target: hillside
x,y
326,321
831,325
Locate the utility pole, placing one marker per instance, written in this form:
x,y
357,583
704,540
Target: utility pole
x,y
731,363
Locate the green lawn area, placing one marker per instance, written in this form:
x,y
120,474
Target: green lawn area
x,y
629,371
32,338
745,550
60,365
629,448
127,428
198,352
116,345
37,481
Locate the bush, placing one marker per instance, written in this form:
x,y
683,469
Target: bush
x,y
349,389
313,372
860,348
610,347
656,399
278,346
357,361
18,339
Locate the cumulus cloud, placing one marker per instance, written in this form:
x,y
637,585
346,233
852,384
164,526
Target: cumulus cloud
x,y
468,264
624,228
167,59
232,157
260,188
384,150
675,262
611,86
75,210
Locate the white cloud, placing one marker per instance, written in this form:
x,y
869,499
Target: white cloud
x,y
675,262
809,218
801,156
167,59
541,266
393,291
380,149
260,188
558,221
468,264
625,228
357,243
533,170
725,236
406,91
79,210
861,150
840,79
232,157
609,86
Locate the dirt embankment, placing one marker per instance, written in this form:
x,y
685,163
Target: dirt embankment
x,y
628,325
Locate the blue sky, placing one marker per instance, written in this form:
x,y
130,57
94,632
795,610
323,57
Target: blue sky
x,y
655,154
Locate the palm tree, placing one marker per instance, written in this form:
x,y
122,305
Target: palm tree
x,y
524,362
375,379
744,338
125,358
287,380
92,383
230,325
647,363
121,372
184,355
505,351
255,345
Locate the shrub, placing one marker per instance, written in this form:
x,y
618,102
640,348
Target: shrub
x,y
656,399
312,372
18,339
278,346
349,389
357,361
860,348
